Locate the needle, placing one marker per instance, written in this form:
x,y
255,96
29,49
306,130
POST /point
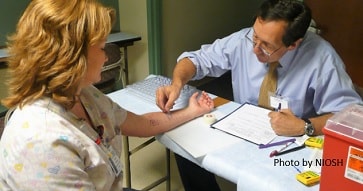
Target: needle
x,y
276,152
283,151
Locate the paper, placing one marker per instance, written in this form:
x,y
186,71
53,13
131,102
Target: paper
x,y
197,138
249,122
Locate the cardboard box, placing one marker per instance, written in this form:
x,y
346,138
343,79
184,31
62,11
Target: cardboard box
x,y
342,163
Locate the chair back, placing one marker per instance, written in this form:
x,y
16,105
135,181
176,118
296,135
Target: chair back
x,y
111,71
2,122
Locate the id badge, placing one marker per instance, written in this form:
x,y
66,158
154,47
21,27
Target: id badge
x,y
276,100
114,161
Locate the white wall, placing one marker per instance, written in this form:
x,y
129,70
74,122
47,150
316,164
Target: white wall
x,y
3,87
133,19
186,24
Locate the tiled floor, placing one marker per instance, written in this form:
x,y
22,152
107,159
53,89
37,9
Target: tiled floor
x,y
148,164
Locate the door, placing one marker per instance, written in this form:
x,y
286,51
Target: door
x,y
340,23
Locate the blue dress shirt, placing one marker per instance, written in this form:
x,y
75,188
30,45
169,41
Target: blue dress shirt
x,y
312,77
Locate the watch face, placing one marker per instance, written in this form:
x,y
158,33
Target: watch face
x,y
309,129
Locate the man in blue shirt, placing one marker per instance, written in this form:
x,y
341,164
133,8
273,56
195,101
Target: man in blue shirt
x,y
312,82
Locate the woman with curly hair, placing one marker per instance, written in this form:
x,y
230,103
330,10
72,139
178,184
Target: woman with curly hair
x,y
64,134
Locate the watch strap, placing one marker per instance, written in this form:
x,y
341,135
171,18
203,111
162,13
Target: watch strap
x,y
306,120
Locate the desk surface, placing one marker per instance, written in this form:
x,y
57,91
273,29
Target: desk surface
x,y
241,162
122,38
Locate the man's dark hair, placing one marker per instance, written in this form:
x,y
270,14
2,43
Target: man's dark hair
x,y
294,12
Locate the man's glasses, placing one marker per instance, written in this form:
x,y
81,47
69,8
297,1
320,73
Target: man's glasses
x,y
263,50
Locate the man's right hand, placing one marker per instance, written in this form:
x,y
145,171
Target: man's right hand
x,y
166,96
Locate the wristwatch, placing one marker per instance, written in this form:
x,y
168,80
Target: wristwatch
x,y
309,129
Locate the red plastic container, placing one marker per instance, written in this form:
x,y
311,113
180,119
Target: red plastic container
x,y
343,151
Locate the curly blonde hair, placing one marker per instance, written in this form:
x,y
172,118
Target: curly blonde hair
x,y
49,49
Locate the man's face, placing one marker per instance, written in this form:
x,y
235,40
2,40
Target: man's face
x,y
267,38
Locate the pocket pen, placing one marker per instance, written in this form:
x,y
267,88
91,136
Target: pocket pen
x,y
261,146
278,108
290,150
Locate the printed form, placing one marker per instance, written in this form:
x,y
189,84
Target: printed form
x,y
249,122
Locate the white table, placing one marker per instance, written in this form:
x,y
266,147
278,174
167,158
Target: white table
x,y
242,162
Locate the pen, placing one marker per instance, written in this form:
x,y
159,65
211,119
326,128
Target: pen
x,y
290,150
261,146
278,107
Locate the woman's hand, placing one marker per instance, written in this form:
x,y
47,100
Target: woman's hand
x,y
200,105
150,124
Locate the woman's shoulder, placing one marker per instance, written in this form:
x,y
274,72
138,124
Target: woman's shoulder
x,y
35,123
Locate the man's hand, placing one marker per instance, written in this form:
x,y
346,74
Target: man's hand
x,y
166,96
285,123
